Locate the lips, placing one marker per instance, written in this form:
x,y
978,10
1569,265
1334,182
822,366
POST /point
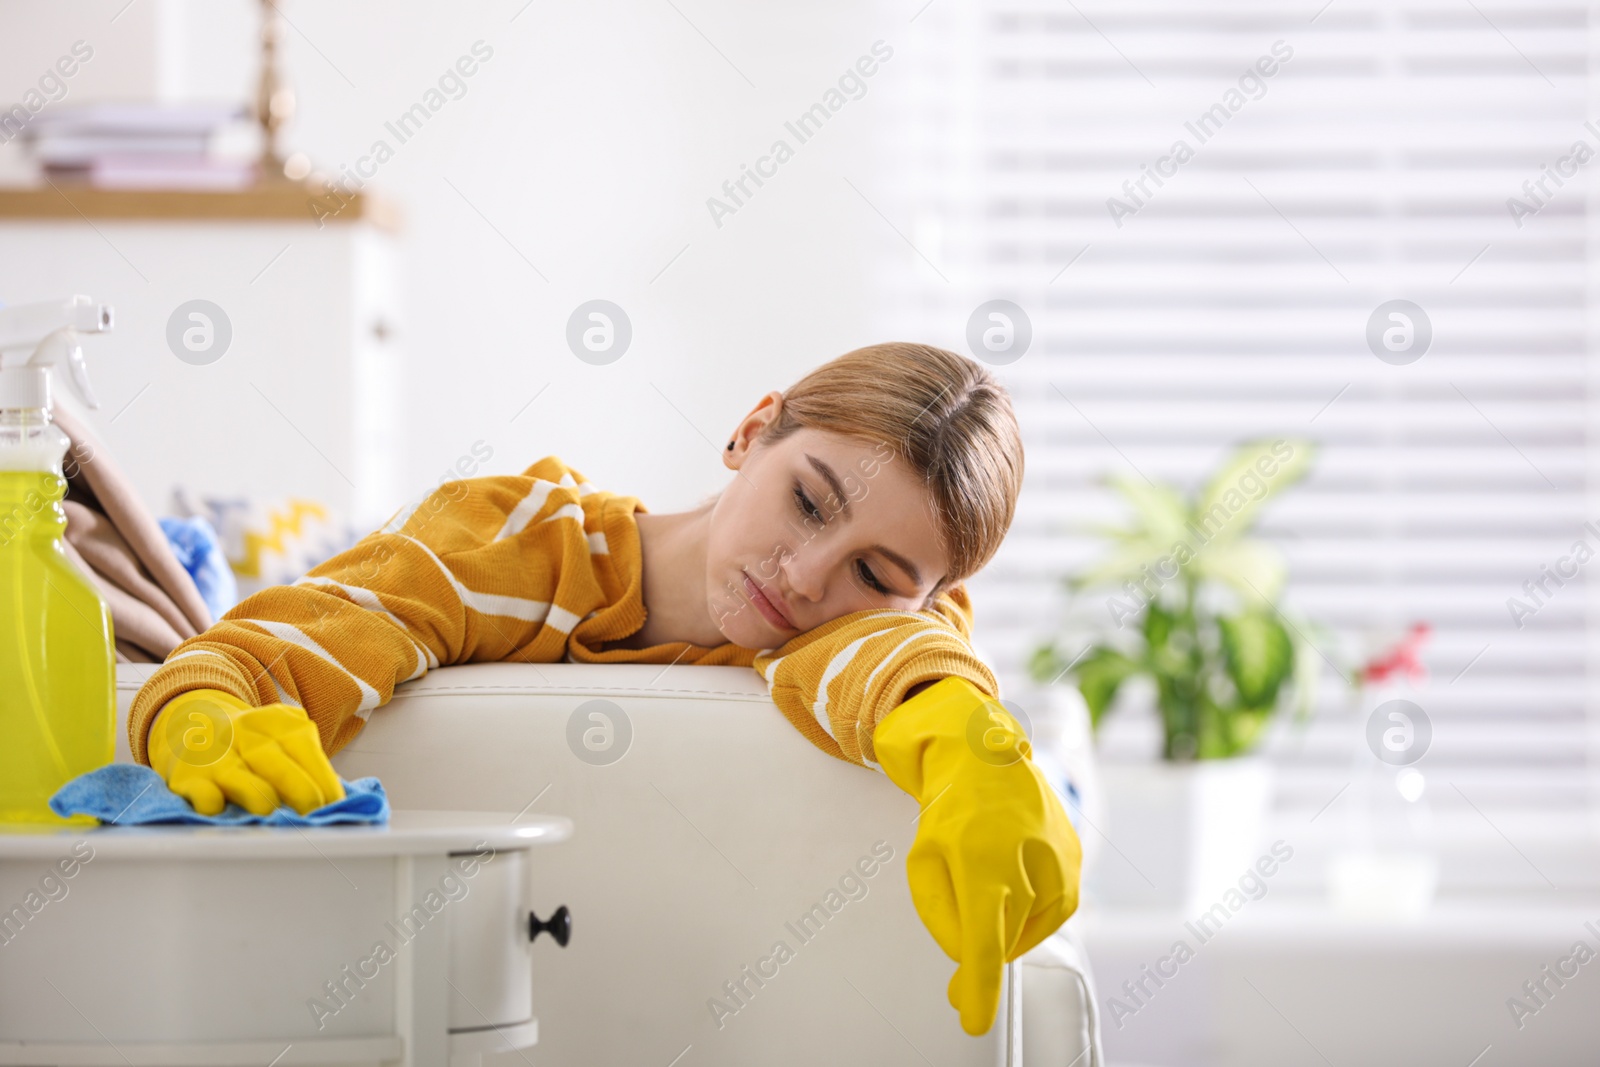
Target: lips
x,y
768,609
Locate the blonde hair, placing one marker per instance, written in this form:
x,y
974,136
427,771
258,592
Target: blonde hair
x,y
944,415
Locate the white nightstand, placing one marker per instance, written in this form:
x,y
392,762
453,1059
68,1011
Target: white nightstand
x,y
164,945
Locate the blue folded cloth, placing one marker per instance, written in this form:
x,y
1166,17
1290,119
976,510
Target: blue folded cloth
x,y
129,793
199,549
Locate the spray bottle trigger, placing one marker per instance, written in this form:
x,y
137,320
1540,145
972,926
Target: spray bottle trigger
x,y
78,371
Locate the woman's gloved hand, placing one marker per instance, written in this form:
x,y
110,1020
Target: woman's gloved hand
x,y
211,747
994,867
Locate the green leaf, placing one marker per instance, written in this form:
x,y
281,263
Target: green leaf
x,y
1160,510
1100,674
1255,568
1045,664
1110,532
1258,655
1218,680
1180,710
1159,513
1158,623
1124,562
1307,668
1230,731
1251,476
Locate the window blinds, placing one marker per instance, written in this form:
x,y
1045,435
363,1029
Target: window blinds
x,y
1419,151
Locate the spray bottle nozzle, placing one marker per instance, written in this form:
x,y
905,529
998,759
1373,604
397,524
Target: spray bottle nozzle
x,y
52,329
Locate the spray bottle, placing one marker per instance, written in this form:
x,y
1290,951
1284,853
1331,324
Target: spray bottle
x,y
57,660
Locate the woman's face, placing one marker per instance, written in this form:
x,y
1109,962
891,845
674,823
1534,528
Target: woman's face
x,y
814,527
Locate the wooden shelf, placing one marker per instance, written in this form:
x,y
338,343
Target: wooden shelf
x,y
275,202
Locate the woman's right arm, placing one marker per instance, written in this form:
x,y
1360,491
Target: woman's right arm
x,y
466,574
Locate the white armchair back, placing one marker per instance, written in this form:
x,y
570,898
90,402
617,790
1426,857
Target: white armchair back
x,y
737,896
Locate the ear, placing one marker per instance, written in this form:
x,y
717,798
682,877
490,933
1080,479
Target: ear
x,y
750,427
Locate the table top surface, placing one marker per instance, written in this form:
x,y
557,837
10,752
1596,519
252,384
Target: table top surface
x,y
408,833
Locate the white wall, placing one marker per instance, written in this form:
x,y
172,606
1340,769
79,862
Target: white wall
x,y
591,139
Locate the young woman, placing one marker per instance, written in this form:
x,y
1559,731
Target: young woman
x,y
832,563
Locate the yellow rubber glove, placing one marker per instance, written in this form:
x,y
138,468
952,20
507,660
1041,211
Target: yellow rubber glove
x,y
994,867
209,745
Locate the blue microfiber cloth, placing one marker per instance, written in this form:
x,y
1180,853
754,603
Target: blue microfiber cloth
x,y
129,793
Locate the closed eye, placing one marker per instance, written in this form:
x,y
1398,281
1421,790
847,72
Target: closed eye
x,y
803,503
809,510
870,578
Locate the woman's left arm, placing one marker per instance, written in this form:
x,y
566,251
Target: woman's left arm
x,y
837,682
994,868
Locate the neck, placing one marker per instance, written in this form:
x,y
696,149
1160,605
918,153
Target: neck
x,y
673,547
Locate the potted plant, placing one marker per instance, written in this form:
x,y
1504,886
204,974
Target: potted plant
x,y
1192,609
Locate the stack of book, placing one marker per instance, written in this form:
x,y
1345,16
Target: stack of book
x,y
139,146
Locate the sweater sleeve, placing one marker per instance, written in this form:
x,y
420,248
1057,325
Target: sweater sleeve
x,y
475,570
837,682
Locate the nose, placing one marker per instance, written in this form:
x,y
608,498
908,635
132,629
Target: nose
x,y
806,571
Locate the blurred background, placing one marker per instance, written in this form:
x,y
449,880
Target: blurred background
x,y
1323,266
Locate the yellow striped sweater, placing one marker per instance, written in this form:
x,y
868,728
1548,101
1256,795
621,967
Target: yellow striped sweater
x,y
540,567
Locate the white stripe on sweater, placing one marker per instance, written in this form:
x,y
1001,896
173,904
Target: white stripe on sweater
x,y
422,664
366,598
562,619
526,509
861,746
514,607
884,662
401,517
843,658
295,636
283,694
598,546
867,688
566,511
837,666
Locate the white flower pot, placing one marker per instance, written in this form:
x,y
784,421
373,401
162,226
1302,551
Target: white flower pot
x,y
1177,835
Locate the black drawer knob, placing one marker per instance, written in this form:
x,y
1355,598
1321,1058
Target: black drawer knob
x,y
558,926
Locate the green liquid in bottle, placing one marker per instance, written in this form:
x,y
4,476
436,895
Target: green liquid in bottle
x,y
57,663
